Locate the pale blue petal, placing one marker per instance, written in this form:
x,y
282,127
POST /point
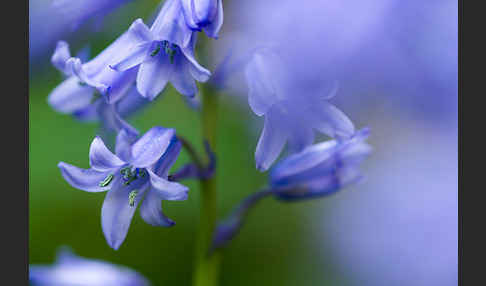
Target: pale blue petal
x,y
60,56
199,73
124,141
83,179
332,121
188,14
166,190
162,167
212,29
133,57
151,210
102,159
261,86
151,146
271,142
181,78
300,136
153,75
117,214
70,96
170,24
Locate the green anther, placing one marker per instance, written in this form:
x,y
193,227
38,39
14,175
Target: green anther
x,y
81,83
106,181
156,51
143,173
131,197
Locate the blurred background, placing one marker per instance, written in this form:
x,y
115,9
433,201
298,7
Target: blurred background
x,y
396,64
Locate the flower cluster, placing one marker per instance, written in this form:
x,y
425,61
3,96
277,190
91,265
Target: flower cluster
x,y
133,70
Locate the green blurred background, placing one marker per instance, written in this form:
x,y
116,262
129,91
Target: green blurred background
x,y
270,250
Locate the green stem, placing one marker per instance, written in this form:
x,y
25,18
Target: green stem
x,y
206,271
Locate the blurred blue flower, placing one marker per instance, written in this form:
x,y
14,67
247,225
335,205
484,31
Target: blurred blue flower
x,y
72,270
138,170
291,111
204,14
401,227
163,57
371,47
320,169
80,11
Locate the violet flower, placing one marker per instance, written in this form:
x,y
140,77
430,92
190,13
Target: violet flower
x,y
163,56
291,114
138,170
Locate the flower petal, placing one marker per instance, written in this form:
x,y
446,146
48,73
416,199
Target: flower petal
x,y
170,24
100,158
332,121
214,26
166,190
60,56
182,79
271,142
84,179
199,73
300,137
151,211
124,142
151,146
162,167
261,86
131,58
117,214
153,75
75,67
70,96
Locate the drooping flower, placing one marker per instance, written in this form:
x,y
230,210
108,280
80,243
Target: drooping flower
x,y
72,270
92,91
291,112
138,170
162,57
79,12
204,14
320,169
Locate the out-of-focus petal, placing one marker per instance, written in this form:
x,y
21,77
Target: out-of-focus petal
x,y
70,96
332,121
271,142
212,29
60,56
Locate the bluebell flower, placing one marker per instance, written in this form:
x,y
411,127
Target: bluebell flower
x,y
204,14
163,57
291,112
94,92
320,169
79,12
72,270
138,170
